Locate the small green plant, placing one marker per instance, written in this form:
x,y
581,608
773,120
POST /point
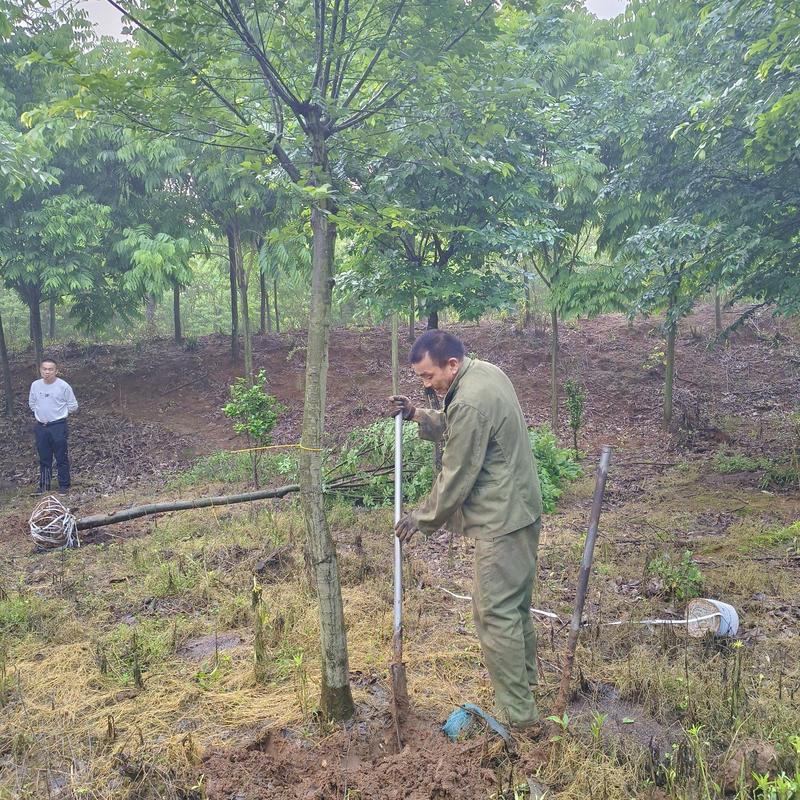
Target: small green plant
x,y
210,672
556,465
301,688
576,402
781,787
596,727
563,724
254,413
682,579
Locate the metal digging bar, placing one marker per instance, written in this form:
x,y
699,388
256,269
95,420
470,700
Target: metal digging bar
x,y
398,668
583,581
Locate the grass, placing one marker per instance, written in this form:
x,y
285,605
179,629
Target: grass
x,y
93,671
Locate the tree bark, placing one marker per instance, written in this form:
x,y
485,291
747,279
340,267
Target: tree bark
x,y
241,281
554,370
275,302
717,313
51,319
8,389
262,293
234,302
336,701
176,312
98,520
669,375
412,318
32,297
150,314
433,320
395,355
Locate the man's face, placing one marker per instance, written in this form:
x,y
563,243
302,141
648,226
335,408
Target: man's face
x,y
48,371
440,379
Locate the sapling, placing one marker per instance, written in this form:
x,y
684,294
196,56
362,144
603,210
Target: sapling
x,y
576,402
254,413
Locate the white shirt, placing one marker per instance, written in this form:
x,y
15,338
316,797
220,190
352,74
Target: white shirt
x,y
51,401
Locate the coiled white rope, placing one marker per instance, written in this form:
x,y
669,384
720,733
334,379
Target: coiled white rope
x,y
52,526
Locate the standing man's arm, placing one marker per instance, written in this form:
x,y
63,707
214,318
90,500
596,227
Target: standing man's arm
x,y
32,400
462,460
430,421
72,403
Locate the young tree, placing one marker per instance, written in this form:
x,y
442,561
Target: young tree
x,y
317,72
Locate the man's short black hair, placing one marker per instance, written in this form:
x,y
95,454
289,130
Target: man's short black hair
x,y
440,345
48,360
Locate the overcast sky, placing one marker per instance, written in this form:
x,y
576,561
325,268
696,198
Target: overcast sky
x,y
107,20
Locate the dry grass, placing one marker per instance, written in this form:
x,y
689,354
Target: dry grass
x,y
75,723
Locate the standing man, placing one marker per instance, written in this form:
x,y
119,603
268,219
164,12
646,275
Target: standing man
x,y
488,475
52,401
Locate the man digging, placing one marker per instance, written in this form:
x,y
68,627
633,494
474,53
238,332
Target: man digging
x,y
52,400
488,489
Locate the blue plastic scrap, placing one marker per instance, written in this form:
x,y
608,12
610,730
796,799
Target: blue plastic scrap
x,y
458,724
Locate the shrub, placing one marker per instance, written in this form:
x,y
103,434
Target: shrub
x,y
369,456
254,413
682,579
556,465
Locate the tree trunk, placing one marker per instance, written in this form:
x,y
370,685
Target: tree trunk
x,y
8,390
526,318
262,293
554,370
150,314
33,298
241,280
669,375
433,320
336,700
51,319
395,355
234,303
176,312
412,318
275,302
717,313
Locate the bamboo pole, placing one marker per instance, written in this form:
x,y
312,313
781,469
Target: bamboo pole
x,y
583,581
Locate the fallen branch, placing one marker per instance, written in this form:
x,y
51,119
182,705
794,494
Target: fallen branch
x,y
98,520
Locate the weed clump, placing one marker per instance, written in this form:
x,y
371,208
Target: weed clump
x,y
681,579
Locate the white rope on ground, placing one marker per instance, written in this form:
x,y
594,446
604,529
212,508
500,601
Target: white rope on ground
x,y
538,612
52,526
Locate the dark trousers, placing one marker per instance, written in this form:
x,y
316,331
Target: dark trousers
x,y
51,440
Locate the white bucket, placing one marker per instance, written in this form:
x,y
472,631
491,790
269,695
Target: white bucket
x,y
705,615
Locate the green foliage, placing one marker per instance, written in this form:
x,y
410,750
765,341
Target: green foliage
x,y
253,411
730,463
556,465
682,578
775,475
369,457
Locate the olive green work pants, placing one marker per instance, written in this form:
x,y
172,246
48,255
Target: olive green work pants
x,y
505,570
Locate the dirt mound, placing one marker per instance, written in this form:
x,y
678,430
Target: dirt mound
x,y
357,763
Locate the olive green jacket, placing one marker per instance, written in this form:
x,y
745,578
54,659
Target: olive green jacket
x,y
488,471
